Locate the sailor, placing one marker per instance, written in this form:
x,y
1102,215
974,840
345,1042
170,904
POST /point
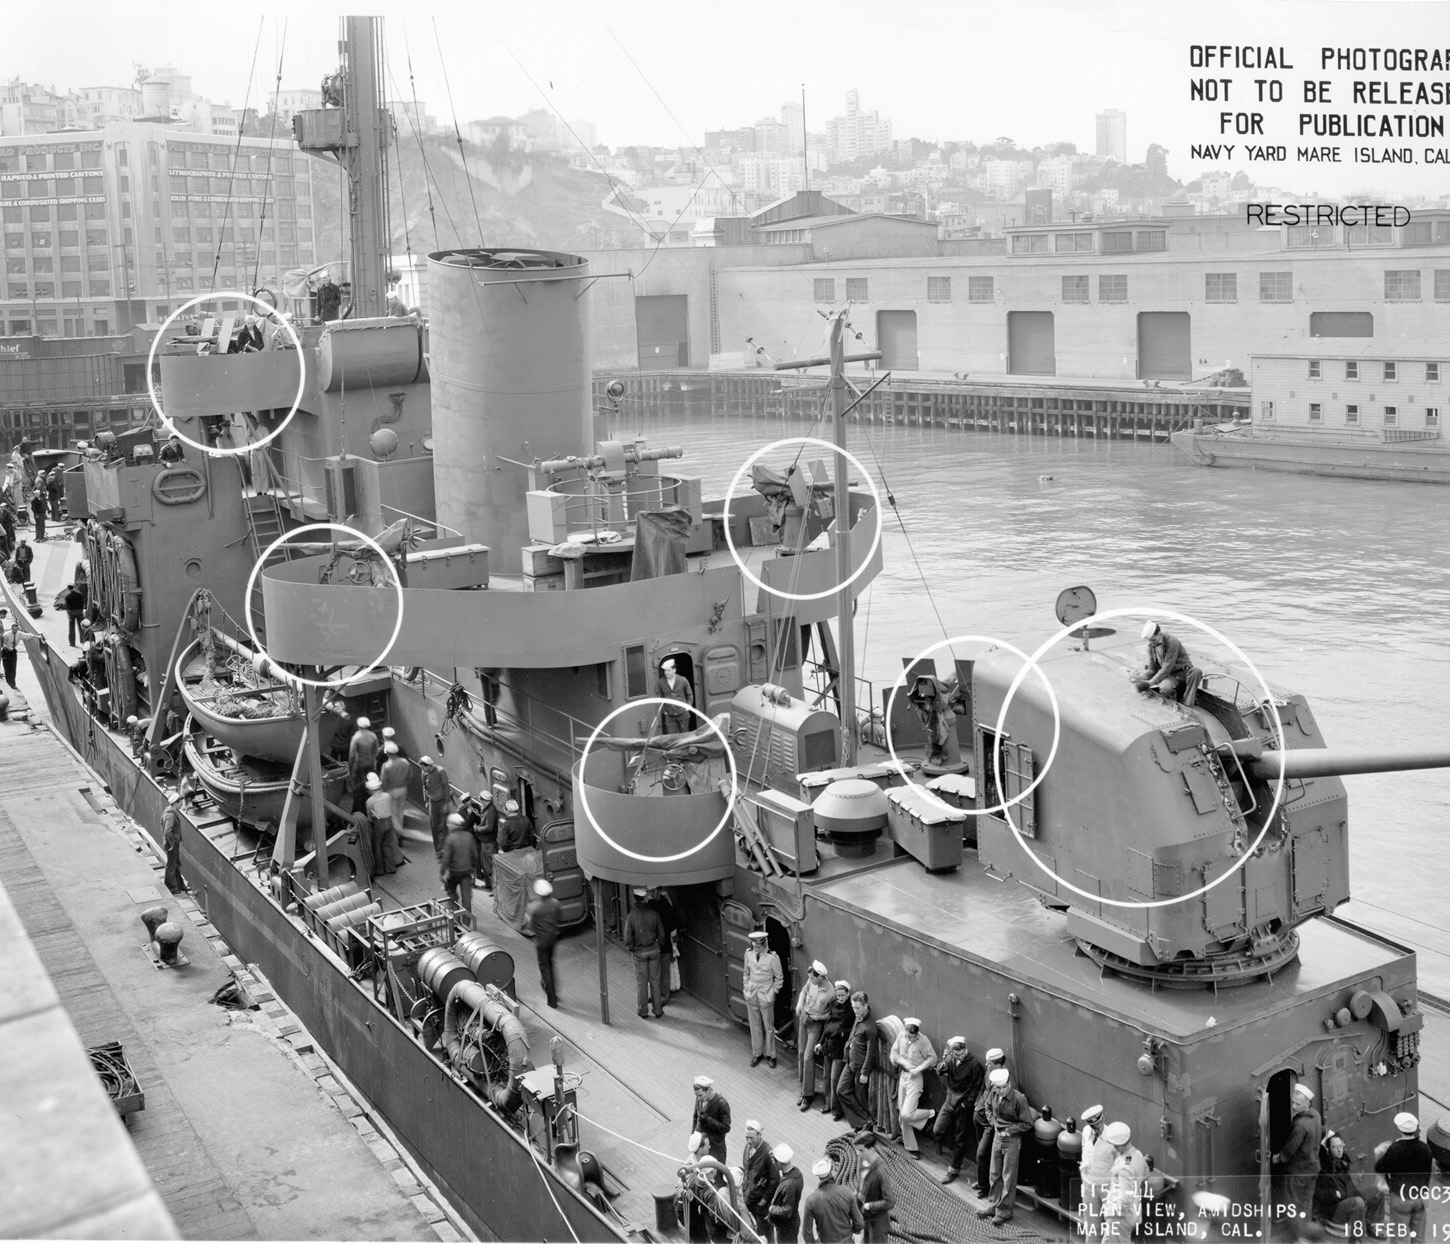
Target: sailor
x,y
396,307
963,1077
394,777
437,798
456,864
515,830
1169,664
249,340
1298,1160
851,1088
644,937
37,510
24,556
676,689
812,1009
362,757
542,918
1405,1164
138,728
171,840
7,530
831,1214
9,646
761,981
387,854
911,1051
712,1117
699,1200
1123,1202
875,1197
54,487
1011,1119
172,450
1338,1200
784,1211
832,1047
75,603
329,300
480,818
389,735
761,1176
995,1058
1096,1168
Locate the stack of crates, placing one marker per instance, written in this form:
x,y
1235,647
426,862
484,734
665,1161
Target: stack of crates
x,y
561,866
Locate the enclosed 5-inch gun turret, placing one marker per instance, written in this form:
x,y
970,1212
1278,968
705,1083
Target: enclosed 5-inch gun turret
x,y
1161,829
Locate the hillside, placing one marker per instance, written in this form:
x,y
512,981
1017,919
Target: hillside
x,y
521,200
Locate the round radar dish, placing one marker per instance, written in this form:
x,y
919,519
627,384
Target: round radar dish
x,y
1273,709
335,683
584,784
1074,604
169,424
876,511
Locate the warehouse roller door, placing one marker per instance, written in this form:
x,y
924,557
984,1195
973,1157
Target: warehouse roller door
x,y
1341,324
1164,351
896,333
662,328
1031,347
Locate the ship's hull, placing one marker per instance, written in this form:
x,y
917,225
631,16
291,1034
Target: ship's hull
x,y
1418,463
463,1146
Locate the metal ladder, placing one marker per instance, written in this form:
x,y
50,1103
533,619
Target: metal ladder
x,y
264,524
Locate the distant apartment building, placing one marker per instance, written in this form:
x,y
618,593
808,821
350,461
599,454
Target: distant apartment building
x,y
858,134
305,100
1056,173
547,130
691,202
99,106
28,108
101,230
772,175
487,133
1004,177
1113,135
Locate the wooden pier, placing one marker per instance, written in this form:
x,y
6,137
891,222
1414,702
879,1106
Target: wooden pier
x,y
1030,406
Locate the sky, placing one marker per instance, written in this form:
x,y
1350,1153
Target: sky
x,y
1036,71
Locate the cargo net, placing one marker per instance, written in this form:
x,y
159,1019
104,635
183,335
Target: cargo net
x,y
925,1211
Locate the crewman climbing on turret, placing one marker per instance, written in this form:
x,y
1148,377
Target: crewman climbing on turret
x,y
1170,669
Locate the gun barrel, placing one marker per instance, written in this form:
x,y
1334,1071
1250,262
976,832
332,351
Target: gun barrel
x,y
1312,762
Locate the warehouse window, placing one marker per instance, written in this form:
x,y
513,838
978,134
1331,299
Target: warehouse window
x,y
1392,416
1113,288
1432,372
1351,414
1392,371
1314,369
1221,287
1072,242
1416,233
1117,242
1442,284
1152,239
1029,244
1316,412
938,289
1403,286
1369,235
1351,370
1266,410
1075,289
1276,287
979,289
1432,416
857,287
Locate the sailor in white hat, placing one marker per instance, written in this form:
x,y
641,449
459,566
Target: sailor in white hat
x,y
1096,1168
542,918
831,1211
962,1075
1406,1166
758,1176
678,695
1298,1160
644,938
1122,1204
712,1116
912,1051
457,864
394,773
1011,1118
171,840
1169,665
437,798
515,830
362,755
992,1059
761,980
812,1010
784,1211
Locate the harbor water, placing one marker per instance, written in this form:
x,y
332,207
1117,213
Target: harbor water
x,y
1336,588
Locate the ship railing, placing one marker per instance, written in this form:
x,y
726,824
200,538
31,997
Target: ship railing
x,y
585,511
1340,433
821,691
437,526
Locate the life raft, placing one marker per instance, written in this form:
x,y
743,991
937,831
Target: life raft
x,y
123,682
178,485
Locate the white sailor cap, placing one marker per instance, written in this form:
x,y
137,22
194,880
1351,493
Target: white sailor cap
x,y
994,1055
389,732
752,1125
783,1153
818,967
1148,631
373,781
426,761
959,1043
822,1168
912,1022
1091,1113
999,1076
390,749
511,806
640,891
1304,1091
454,820
543,888
1407,1123
363,723
1117,1133
758,935
846,985
696,1142
704,1082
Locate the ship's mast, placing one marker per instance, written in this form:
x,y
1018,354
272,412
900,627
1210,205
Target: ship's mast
x,y
356,130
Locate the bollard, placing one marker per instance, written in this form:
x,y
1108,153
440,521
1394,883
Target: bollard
x,y
153,918
665,1209
168,942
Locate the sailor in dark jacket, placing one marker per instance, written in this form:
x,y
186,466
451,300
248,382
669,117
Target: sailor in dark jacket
x,y
832,1047
876,1197
785,1205
1337,1198
761,1176
1298,1160
675,689
712,1116
1406,1167
964,1077
831,1214
851,1088
983,1121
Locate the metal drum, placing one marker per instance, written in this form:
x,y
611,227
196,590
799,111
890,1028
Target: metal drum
x,y
323,898
350,903
1069,1159
1044,1135
440,970
489,963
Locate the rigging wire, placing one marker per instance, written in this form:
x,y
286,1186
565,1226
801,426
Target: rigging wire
x,y
457,134
418,131
236,153
271,147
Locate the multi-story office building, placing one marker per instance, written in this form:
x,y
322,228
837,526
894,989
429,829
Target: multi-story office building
x,y
1113,135
105,229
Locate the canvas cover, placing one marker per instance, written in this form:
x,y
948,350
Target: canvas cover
x,y
514,873
659,543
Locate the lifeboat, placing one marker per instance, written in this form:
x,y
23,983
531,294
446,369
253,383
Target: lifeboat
x,y
258,719
253,791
